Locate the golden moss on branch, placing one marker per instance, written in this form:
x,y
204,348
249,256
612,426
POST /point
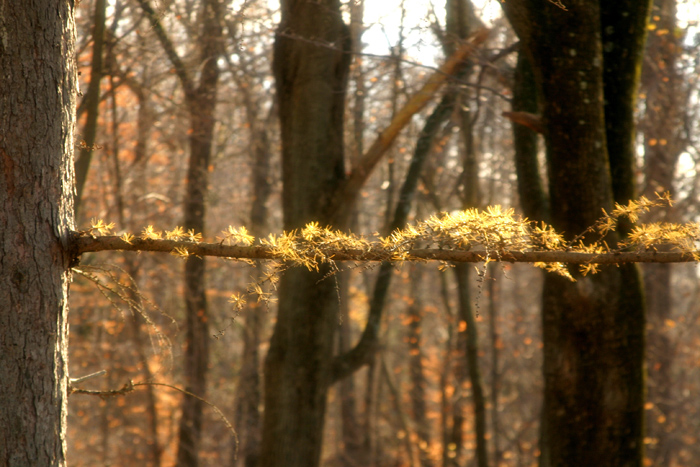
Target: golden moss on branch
x,y
264,252
494,234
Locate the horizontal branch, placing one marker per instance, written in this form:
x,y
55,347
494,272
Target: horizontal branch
x,y
85,244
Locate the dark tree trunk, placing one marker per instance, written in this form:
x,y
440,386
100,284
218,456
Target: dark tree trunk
x,y
297,371
533,197
311,81
37,124
593,329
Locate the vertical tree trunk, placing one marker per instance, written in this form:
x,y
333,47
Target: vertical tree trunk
x,y
249,394
311,80
468,350
131,263
197,330
356,448
417,377
37,124
461,20
92,100
663,128
201,103
593,329
352,453
533,197
494,305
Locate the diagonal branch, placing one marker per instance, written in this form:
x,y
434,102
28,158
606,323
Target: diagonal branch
x,y
347,363
347,193
180,69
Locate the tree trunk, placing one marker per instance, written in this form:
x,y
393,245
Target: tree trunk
x,y
593,329
249,393
197,330
533,197
92,100
461,20
494,305
352,453
416,370
201,103
311,80
37,123
663,128
468,358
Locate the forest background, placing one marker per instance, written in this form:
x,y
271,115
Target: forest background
x,y
180,91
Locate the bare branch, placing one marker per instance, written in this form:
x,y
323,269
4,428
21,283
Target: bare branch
x,y
187,83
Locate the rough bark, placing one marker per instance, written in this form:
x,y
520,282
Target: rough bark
x,y
593,329
623,26
37,124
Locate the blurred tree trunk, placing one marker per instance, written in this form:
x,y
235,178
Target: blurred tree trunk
x,y
311,81
355,430
593,329
404,423
131,263
663,128
249,394
417,377
200,99
531,191
136,322
461,21
92,102
494,337
353,452
467,348
201,105
37,124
